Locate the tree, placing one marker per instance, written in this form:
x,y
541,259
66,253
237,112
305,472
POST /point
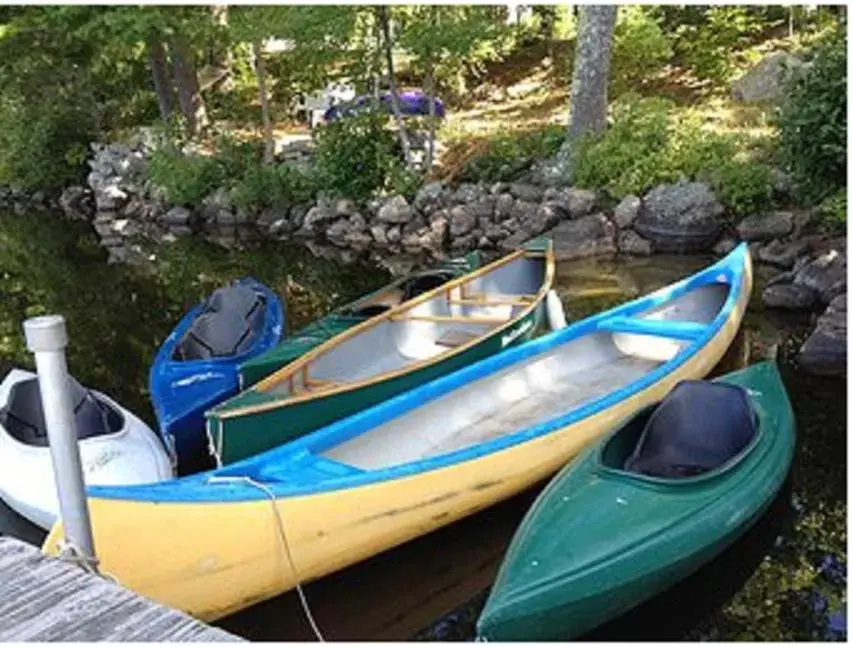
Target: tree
x,y
591,70
384,24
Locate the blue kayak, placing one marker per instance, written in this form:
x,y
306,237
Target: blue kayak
x,y
196,367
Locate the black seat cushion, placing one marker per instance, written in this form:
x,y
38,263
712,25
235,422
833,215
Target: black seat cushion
x,y
699,426
424,282
230,320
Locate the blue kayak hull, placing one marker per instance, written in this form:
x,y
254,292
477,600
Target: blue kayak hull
x,y
183,390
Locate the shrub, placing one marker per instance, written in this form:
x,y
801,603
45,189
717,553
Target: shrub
x,y
184,179
273,185
812,122
645,145
640,47
355,155
506,156
834,208
42,147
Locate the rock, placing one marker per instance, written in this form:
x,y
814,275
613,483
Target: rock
x,y
110,198
527,192
317,217
464,243
782,182
345,208
225,218
413,225
824,352
789,296
73,202
825,275
380,235
626,211
523,211
357,222
498,188
765,81
592,235
429,194
298,213
724,247
764,227
483,208
336,233
358,240
462,221
394,235
178,217
467,192
439,226
503,207
782,254
125,227
632,244
395,211
494,233
680,218
576,203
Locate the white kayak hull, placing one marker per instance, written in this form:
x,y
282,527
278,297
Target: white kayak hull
x,y
131,455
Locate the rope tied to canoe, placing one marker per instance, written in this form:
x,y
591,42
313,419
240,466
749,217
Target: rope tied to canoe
x,y
73,554
283,535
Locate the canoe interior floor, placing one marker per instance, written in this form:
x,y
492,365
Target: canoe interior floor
x,y
387,446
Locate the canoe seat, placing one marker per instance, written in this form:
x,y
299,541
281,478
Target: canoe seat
x,y
303,469
698,427
685,330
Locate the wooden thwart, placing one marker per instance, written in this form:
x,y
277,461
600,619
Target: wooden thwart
x,y
491,301
452,319
44,599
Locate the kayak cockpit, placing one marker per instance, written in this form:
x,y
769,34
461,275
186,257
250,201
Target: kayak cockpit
x,y
699,428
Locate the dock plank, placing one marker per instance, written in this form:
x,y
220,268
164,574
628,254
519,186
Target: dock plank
x,y
45,600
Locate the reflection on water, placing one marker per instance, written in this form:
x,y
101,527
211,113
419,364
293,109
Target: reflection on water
x,y
785,580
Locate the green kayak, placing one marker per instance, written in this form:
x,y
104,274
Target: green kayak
x,y
351,314
664,494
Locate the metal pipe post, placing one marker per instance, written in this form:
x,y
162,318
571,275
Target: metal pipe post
x,y
47,338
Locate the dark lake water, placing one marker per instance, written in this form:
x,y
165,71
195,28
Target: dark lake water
x,y
785,580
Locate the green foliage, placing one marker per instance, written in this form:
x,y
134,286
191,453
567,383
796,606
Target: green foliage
x,y
812,122
506,156
272,185
640,47
835,208
184,179
646,145
354,156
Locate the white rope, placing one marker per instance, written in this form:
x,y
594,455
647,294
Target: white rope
x,y
71,553
280,523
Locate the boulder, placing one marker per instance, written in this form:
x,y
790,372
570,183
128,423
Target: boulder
x,y
782,254
380,235
467,192
626,211
178,217
503,206
680,218
337,232
429,194
766,226
724,247
345,208
575,203
358,240
632,244
765,81
824,352
592,235
395,211
317,218
75,202
462,220
789,296
527,192
825,274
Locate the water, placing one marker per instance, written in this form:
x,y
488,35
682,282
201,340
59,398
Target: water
x,y
786,580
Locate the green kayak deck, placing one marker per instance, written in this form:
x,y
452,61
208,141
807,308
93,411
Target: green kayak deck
x,y
600,540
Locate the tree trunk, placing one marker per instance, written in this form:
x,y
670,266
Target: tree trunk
x,y
591,69
162,83
186,78
260,68
430,90
384,22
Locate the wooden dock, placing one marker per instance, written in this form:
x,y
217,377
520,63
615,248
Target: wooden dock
x,y
44,599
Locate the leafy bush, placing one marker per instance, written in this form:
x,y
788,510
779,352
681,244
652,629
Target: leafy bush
x,y
640,47
42,147
506,156
272,185
833,209
645,145
812,122
354,156
184,179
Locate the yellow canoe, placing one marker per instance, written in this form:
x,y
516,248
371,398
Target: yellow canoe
x,y
210,544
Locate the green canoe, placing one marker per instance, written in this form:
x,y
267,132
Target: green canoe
x,y
610,532
351,314
458,323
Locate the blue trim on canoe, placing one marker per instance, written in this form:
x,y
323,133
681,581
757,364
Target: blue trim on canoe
x,y
684,330
278,467
181,390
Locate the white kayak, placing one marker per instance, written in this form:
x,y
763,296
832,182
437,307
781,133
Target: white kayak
x,y
116,447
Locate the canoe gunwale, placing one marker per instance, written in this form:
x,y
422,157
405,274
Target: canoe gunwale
x,y
222,411
735,270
